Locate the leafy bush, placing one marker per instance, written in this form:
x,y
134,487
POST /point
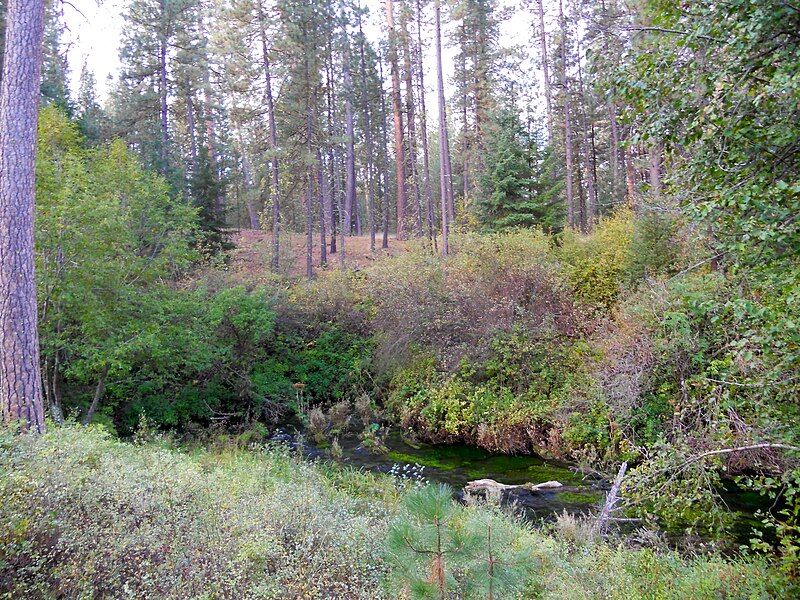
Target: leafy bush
x,y
84,516
655,249
596,264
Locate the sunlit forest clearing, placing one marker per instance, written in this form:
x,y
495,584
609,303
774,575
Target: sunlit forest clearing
x,y
441,299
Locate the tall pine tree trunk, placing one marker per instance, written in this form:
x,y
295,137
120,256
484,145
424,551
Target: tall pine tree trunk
x,y
350,160
465,126
384,159
545,70
568,141
162,92
191,126
424,131
399,147
323,234
411,124
309,171
20,378
445,172
588,156
367,139
615,157
274,189
630,176
309,198
334,199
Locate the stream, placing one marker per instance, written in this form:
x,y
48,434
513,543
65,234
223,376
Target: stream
x,y
456,465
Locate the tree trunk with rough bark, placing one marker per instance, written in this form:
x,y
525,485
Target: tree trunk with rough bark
x,y
384,160
616,158
424,131
630,176
568,142
367,140
590,212
163,92
274,189
350,156
399,147
411,124
545,70
445,181
20,377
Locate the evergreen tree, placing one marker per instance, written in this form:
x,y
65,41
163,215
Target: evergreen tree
x,y
90,115
205,187
55,68
515,183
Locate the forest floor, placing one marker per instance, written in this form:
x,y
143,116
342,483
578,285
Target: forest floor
x,y
249,261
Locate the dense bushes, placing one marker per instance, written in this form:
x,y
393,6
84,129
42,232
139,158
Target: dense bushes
x,y
82,515
241,359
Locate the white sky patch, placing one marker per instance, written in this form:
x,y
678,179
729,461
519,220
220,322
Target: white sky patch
x,y
92,37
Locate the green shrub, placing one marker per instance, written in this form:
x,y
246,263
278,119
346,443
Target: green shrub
x,y
655,250
596,264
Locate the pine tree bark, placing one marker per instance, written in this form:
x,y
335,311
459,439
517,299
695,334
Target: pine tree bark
x,y
615,159
545,70
191,126
568,141
465,128
274,190
20,377
334,199
399,146
323,234
350,157
384,159
424,130
445,172
309,201
162,91
630,177
411,124
309,173
590,211
367,138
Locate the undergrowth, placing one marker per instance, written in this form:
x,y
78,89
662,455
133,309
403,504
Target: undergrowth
x,y
84,515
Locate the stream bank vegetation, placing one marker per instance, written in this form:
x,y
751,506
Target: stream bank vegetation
x,y
86,515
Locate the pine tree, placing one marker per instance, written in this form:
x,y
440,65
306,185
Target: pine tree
x,y
517,178
91,117
20,376
55,68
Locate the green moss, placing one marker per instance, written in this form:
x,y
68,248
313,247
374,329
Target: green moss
x,y
587,497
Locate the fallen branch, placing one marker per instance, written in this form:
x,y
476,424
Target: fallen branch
x,y
611,500
764,446
490,485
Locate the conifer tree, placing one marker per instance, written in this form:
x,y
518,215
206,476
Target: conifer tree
x,y
91,117
20,374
